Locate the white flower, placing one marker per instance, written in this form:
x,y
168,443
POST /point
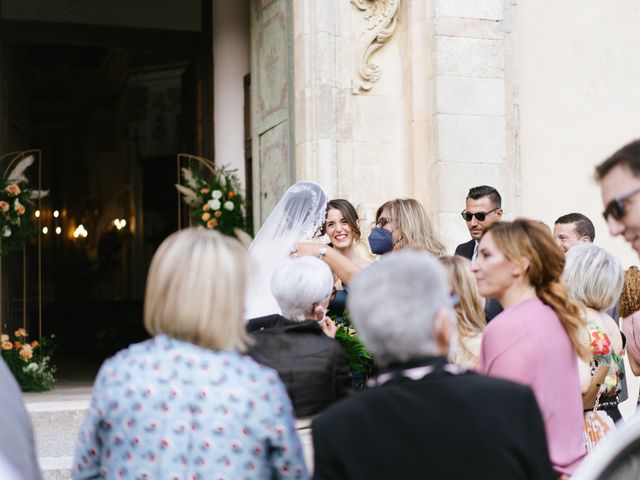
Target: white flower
x,y
32,367
214,204
228,205
216,194
6,231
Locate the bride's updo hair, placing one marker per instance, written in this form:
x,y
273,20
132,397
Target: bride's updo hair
x,y
299,284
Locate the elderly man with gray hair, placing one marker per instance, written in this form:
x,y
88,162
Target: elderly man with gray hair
x,y
424,417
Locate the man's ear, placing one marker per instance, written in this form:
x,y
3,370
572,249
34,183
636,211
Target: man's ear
x,y
443,330
586,239
499,213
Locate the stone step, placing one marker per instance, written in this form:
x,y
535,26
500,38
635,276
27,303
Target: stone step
x,y
56,468
56,417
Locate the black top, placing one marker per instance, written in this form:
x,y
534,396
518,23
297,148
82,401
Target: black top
x,y
313,366
443,425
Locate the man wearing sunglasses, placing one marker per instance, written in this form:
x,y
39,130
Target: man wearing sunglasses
x,y
619,178
483,209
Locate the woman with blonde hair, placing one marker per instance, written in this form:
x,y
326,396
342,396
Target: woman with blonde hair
x,y
594,278
187,403
469,310
408,225
537,337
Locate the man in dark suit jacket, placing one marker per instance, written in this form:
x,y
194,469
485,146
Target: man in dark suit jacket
x,y
424,417
483,209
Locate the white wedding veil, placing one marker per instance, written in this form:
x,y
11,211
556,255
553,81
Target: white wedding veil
x,y
296,218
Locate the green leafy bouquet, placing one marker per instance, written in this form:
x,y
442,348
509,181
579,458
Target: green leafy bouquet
x,y
30,362
214,203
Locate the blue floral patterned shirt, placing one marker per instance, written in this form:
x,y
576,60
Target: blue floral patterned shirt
x,y
167,409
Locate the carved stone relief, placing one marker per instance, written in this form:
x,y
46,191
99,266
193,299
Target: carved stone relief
x,y
381,17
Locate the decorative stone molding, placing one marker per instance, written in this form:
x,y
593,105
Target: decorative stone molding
x,y
381,18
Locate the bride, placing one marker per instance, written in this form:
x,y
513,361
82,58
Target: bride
x,y
296,218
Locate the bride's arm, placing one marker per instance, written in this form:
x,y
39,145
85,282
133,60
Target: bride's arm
x,y
340,265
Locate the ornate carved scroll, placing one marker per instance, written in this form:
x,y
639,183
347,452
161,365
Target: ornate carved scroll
x,y
381,18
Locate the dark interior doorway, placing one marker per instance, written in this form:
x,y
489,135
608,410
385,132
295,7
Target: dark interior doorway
x,y
110,107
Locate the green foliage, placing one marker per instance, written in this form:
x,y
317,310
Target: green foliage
x,y
30,362
360,360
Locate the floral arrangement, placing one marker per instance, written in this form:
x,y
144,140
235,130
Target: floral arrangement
x,y
214,203
30,362
14,199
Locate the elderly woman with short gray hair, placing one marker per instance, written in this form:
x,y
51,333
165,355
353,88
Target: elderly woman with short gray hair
x,y
299,344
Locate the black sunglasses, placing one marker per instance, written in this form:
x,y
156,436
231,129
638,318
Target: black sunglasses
x,y
616,208
480,216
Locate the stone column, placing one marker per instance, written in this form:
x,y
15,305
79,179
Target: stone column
x,y
469,133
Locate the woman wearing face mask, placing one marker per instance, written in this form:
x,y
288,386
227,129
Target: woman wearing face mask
x,y
400,223
538,337
299,344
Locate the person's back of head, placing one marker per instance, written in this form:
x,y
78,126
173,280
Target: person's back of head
x,y
400,306
594,276
300,283
630,296
195,290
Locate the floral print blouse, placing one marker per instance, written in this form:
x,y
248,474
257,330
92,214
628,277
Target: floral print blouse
x,y
603,354
167,409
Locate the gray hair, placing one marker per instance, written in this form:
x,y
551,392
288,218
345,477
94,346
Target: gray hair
x,y
594,276
299,283
394,304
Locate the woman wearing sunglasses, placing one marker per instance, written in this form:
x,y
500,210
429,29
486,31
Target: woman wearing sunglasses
x,y
538,337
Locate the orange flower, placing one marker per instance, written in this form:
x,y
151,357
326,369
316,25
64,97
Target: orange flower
x,y
13,189
206,207
17,344
7,346
212,223
34,344
21,332
19,208
206,216
218,214
4,206
231,194
26,352
204,191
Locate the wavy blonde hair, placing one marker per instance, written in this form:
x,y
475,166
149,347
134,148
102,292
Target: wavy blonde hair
x,y
415,226
470,307
630,296
532,240
195,290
